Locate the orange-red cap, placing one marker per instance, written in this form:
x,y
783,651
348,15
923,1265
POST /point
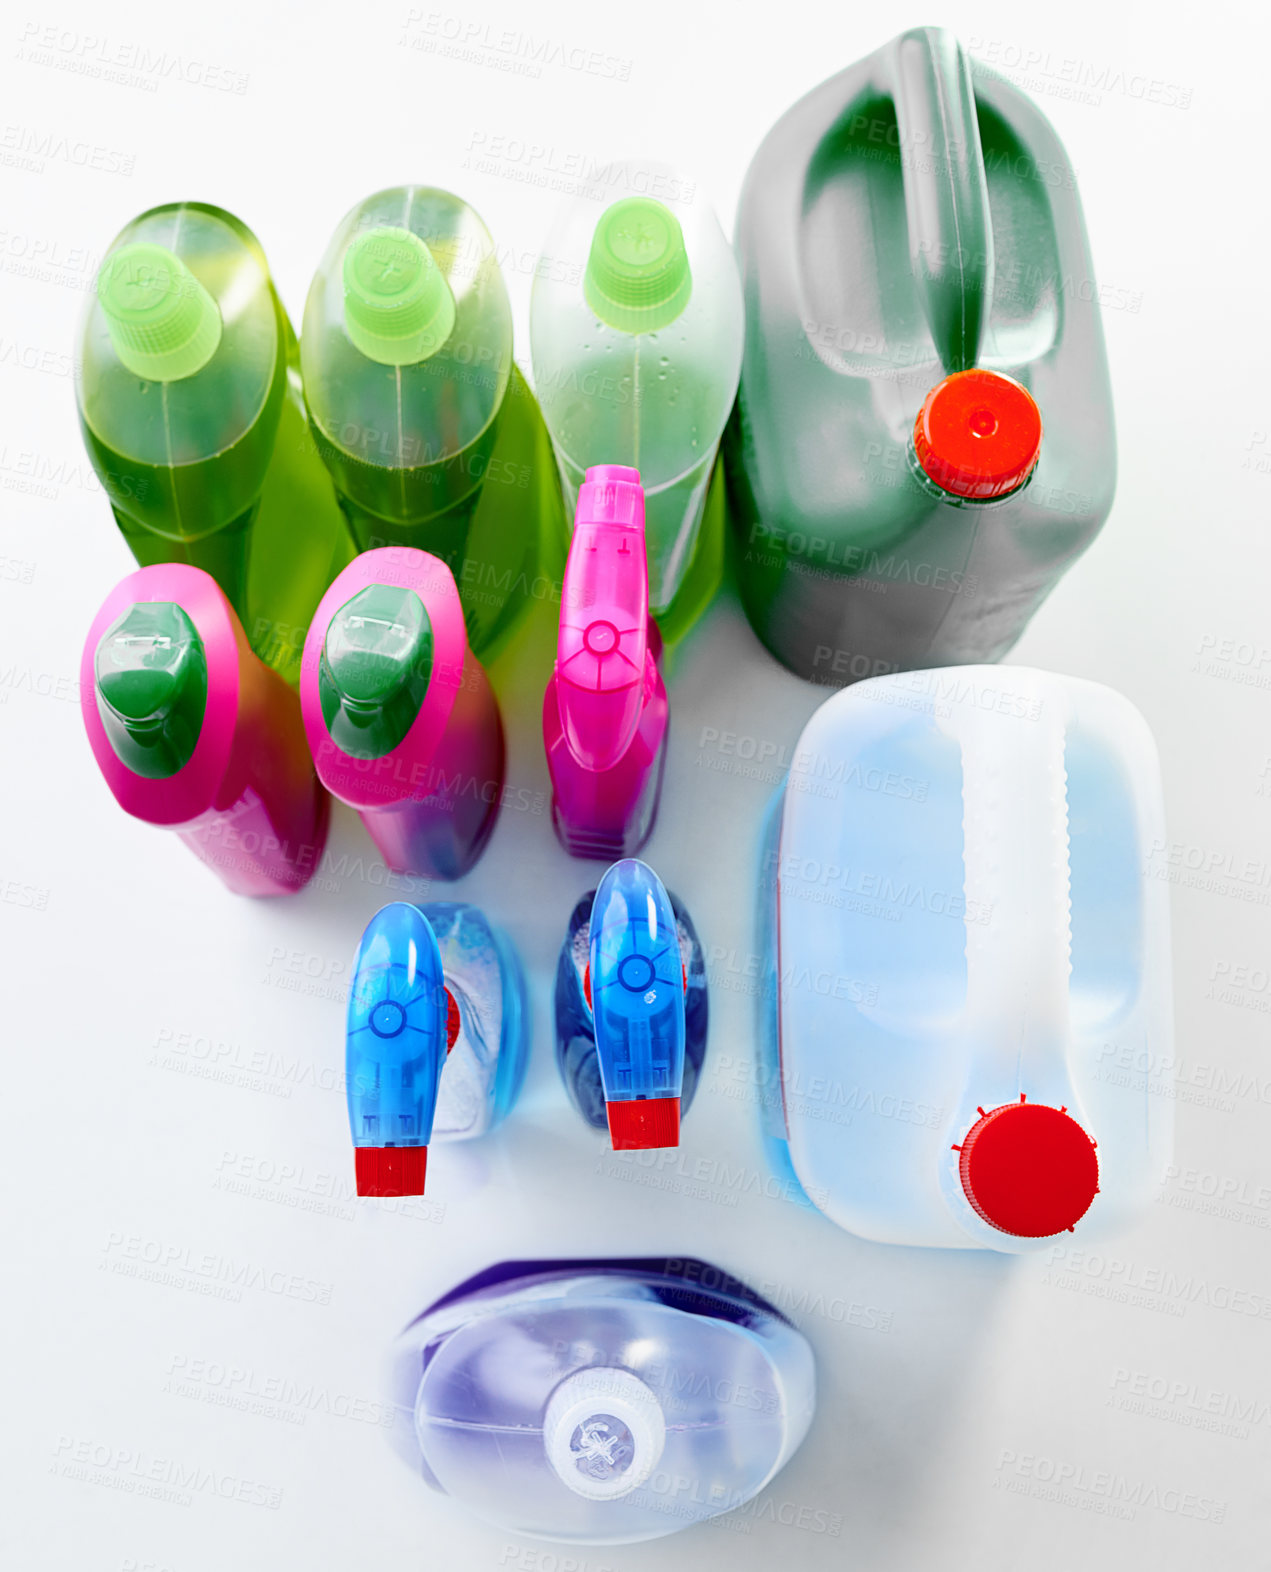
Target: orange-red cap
x,y
390,1170
643,1123
1029,1169
978,435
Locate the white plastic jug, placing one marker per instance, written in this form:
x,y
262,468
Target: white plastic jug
x,y
964,938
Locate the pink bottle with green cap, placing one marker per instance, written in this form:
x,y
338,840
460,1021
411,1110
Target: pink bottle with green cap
x,y
605,709
400,716
193,732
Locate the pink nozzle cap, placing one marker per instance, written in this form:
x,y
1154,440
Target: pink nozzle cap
x,y
611,494
603,638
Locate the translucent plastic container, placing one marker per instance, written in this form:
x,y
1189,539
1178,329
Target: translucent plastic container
x,y
437,1038
601,1401
188,387
636,338
605,713
923,440
577,1056
430,433
400,715
486,1066
191,731
957,884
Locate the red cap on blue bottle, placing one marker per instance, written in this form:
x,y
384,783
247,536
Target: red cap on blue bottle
x,y
641,1124
390,1170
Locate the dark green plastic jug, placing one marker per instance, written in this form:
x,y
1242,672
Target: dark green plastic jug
x,y
923,436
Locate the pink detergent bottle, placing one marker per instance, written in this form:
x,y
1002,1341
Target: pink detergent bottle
x,y
193,732
399,712
605,709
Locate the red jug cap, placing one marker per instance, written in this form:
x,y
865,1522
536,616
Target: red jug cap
x,y
453,1021
1029,1169
978,434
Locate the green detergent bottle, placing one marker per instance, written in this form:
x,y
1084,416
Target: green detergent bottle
x,y
188,388
636,332
923,440
430,432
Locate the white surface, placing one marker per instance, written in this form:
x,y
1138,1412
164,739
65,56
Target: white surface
x,y
240,1374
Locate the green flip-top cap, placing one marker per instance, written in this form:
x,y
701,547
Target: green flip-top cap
x,y
162,321
151,678
398,308
638,277
376,664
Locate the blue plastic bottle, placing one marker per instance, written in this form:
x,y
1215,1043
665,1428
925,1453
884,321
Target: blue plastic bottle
x,y
436,988
598,1401
631,1065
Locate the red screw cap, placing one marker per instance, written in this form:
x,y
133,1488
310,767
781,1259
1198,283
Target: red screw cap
x,y
1029,1169
453,1021
978,435
642,1124
390,1170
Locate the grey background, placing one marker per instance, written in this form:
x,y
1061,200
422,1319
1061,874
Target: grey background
x,y
174,1120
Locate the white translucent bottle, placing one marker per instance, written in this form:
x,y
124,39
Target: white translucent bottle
x,y
972,941
636,333
601,1401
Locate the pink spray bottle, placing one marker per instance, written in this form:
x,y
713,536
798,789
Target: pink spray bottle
x,y
192,731
399,712
605,709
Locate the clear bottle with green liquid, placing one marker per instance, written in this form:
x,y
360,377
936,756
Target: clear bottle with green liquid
x,y
430,432
636,330
188,388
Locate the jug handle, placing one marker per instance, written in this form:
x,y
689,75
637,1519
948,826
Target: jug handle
x,y
946,191
1017,888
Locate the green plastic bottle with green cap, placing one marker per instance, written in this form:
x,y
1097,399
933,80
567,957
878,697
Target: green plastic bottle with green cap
x,y
636,338
430,432
188,387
